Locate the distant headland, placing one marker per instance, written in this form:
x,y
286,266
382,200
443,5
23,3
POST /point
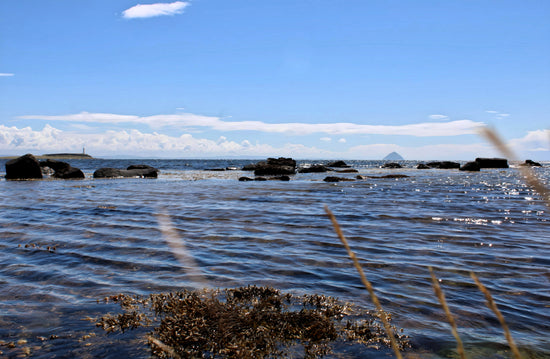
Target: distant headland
x,y
67,155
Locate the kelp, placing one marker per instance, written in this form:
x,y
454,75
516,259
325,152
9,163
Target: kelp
x,y
246,322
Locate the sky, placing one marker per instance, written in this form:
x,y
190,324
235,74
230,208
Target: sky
x,y
354,79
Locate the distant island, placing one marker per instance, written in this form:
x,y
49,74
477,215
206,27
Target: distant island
x,y
394,156
67,155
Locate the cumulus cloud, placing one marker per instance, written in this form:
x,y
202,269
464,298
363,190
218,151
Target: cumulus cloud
x,y
15,140
534,141
152,10
186,120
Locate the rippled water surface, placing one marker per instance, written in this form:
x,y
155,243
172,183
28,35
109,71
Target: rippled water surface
x,y
66,244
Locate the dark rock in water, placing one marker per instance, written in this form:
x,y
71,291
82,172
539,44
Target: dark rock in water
x,y
260,179
281,161
492,162
444,165
348,170
422,166
470,166
361,177
215,169
24,167
250,167
141,167
392,165
314,169
340,164
531,163
275,167
394,156
62,169
337,179
245,179
108,172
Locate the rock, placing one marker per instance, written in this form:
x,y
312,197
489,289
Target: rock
x,y
361,177
24,167
444,165
422,166
340,164
531,163
141,167
391,165
348,170
337,179
275,167
245,179
470,166
492,162
107,172
62,169
250,167
314,169
260,179
215,169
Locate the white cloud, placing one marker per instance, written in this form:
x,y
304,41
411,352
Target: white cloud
x,y
152,10
186,120
438,117
5,74
326,139
534,141
342,140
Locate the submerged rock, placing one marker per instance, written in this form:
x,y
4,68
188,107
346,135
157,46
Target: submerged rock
x,y
531,163
314,169
340,164
492,162
444,165
143,171
24,167
337,179
62,169
391,165
470,166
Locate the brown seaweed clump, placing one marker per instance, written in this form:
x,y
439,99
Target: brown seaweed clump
x,y
246,322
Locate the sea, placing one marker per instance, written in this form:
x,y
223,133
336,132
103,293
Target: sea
x,y
65,245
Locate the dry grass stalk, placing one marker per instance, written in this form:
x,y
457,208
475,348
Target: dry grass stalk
x,y
450,318
526,171
366,283
165,348
492,305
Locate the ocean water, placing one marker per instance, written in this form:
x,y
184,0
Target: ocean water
x,y
67,244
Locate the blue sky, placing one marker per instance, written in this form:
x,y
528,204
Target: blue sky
x,y
254,78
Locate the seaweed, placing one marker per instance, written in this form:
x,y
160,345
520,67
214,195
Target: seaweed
x,y
246,322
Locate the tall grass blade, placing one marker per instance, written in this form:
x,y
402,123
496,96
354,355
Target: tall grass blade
x,y
492,305
526,171
366,283
450,318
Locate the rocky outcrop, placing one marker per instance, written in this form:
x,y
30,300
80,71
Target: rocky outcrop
x,y
444,164
492,162
314,169
24,167
62,170
347,170
531,163
337,179
142,171
339,164
391,165
423,166
470,166
276,167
